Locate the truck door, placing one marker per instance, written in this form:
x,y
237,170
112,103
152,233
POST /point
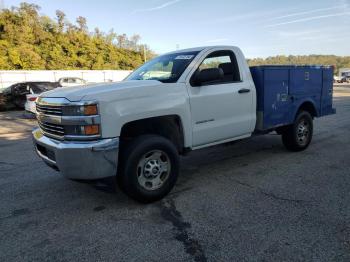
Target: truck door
x,y
222,109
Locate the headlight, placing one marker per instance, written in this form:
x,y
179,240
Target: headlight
x,y
91,130
90,110
84,110
85,120
86,130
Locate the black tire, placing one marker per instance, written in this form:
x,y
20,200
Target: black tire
x,y
129,171
298,136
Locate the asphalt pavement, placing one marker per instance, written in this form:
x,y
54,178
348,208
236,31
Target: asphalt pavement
x,y
247,201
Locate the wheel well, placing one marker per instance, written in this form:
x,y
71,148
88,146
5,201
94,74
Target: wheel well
x,y
169,127
306,106
309,107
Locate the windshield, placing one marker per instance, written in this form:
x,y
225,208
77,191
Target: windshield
x,y
42,87
165,68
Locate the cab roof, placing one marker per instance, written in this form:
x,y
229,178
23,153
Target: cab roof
x,y
199,49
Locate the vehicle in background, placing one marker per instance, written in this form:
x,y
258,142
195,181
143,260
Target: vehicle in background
x,y
345,74
3,104
337,79
15,96
341,79
35,91
29,106
71,81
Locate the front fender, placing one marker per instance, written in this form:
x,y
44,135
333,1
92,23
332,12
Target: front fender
x,y
116,113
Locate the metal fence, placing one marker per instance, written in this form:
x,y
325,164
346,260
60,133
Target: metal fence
x,y
9,77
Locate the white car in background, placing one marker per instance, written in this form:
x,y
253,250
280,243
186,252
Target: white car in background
x,y
29,106
71,81
34,92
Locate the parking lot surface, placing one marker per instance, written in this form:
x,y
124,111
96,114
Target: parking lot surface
x,y
248,201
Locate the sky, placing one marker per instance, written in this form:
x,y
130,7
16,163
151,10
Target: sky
x,y
260,28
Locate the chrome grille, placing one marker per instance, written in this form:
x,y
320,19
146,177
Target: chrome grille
x,y
52,129
49,109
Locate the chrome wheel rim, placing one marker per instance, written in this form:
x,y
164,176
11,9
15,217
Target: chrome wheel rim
x,y
153,170
303,132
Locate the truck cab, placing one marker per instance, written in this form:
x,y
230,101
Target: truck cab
x,y
175,103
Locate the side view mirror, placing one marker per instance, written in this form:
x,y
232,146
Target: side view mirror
x,y
208,75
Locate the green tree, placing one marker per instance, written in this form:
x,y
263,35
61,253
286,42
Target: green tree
x,y
331,60
32,41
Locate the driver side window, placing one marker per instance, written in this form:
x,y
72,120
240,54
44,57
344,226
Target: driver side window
x,y
225,61
214,62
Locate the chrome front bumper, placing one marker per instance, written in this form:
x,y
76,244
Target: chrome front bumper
x,y
78,159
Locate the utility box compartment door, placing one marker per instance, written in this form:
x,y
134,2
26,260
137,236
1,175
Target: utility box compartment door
x,y
327,92
306,81
276,97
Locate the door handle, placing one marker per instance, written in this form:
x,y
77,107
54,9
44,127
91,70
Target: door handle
x,y
244,90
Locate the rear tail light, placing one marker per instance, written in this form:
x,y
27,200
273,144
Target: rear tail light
x,y
32,99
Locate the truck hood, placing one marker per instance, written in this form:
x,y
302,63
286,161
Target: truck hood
x,y
86,92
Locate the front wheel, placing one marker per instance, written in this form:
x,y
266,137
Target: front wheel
x,y
298,136
149,166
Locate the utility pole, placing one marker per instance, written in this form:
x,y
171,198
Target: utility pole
x,y
2,4
144,53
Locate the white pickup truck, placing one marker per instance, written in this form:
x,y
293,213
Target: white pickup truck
x,y
175,103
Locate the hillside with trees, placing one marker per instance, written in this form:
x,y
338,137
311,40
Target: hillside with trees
x,y
29,40
336,61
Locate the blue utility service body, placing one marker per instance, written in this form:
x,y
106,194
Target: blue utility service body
x,y
283,90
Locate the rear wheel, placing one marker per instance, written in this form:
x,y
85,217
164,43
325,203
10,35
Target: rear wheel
x,y
298,136
149,166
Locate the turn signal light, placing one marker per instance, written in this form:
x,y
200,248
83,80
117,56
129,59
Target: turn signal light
x,y
90,110
91,130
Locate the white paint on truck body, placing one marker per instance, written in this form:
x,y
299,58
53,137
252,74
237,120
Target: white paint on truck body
x,y
209,114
